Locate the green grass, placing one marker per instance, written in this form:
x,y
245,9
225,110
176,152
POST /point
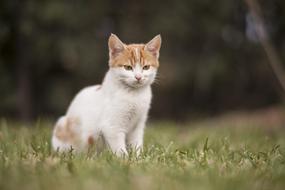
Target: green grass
x,y
195,156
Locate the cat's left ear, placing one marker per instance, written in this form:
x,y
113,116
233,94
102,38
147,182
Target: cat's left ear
x,y
116,46
153,46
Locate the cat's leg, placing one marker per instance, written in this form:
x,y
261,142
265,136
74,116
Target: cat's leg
x,y
116,140
135,138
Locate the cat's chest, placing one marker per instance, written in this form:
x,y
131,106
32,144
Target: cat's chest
x,y
131,105
129,108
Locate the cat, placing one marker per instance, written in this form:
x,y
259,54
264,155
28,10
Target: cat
x,y
117,109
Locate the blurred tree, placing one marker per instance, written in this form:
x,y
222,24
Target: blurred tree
x,y
264,39
50,49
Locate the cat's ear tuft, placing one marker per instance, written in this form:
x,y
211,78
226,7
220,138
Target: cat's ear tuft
x,y
153,46
116,46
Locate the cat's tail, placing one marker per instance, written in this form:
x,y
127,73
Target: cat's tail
x,y
66,134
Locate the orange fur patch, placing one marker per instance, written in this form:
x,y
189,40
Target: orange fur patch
x,y
132,54
67,132
90,140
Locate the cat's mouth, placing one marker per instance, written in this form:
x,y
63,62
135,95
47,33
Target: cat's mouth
x,y
133,84
138,84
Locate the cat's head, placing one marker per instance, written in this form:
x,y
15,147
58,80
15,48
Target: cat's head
x,y
134,65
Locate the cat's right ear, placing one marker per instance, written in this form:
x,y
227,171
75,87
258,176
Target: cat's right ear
x,y
116,46
153,46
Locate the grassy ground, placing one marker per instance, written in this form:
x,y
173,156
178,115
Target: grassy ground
x,y
209,155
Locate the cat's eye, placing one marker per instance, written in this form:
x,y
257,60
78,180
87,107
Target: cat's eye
x,y
128,67
146,67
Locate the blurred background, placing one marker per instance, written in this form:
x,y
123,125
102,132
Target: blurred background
x,y
216,57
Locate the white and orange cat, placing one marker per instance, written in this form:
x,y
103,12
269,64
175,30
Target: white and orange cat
x,y
118,108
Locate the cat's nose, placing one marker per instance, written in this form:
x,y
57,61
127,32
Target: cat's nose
x,y
138,77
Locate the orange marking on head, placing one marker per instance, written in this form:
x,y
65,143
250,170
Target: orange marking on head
x,y
144,54
133,54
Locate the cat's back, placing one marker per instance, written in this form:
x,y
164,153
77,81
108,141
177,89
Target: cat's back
x,y
85,99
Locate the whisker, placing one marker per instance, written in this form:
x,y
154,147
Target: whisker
x,y
157,80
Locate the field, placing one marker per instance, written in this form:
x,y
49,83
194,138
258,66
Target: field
x,y
214,154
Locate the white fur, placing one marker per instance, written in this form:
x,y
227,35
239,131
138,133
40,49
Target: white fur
x,y
118,110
